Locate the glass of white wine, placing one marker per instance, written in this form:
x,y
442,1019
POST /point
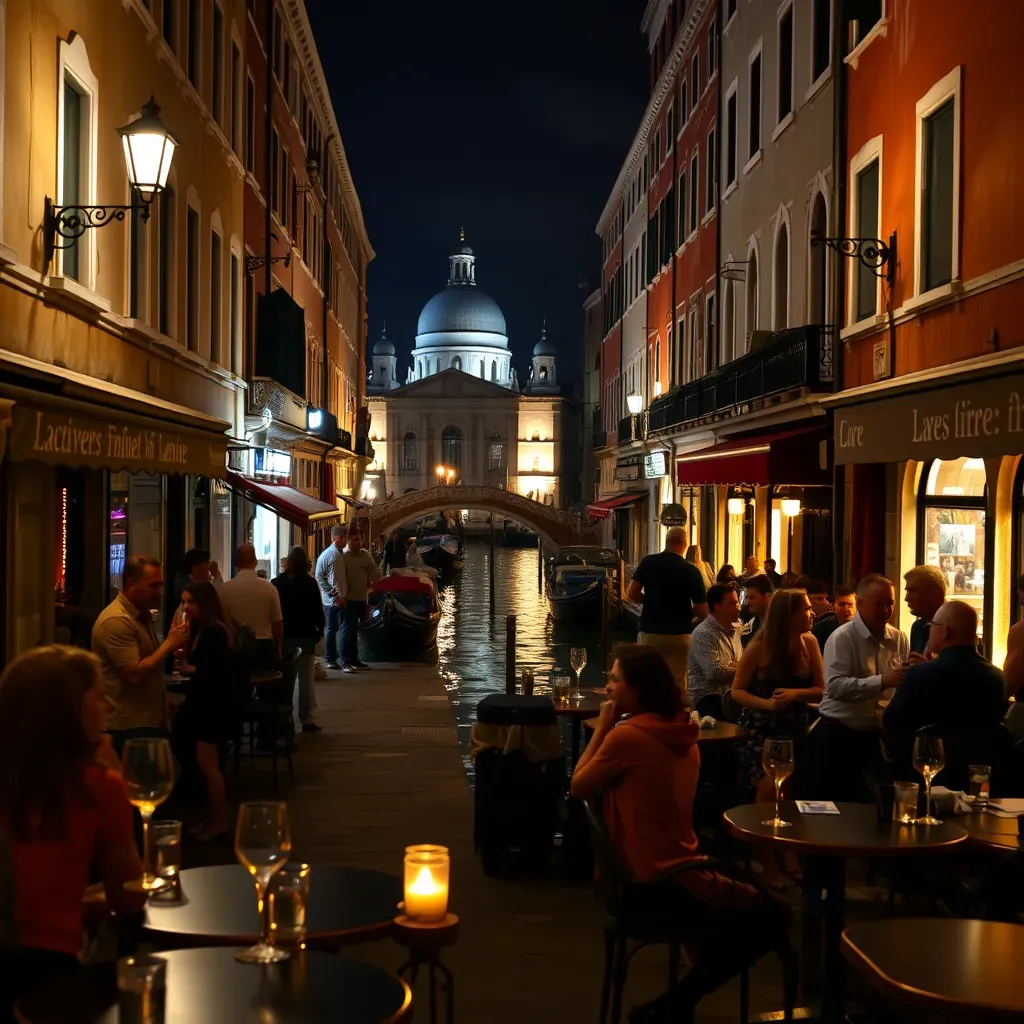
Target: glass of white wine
x,y
929,760
148,770
263,841
578,661
777,760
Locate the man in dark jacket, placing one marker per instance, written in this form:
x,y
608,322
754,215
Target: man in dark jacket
x,y
394,552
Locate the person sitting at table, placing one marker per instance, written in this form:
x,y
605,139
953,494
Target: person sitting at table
x,y
925,593
209,713
844,607
715,651
647,767
779,673
727,574
62,812
758,596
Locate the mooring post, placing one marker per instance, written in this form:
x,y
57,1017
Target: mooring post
x,y
510,655
540,566
490,571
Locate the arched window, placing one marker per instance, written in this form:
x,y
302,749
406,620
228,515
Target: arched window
x,y
728,321
483,369
752,302
451,447
951,527
780,293
816,285
543,373
409,453
494,369
456,363
419,372
495,452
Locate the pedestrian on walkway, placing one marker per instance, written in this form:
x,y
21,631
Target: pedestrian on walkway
x,y
360,571
331,579
671,592
394,552
251,601
304,621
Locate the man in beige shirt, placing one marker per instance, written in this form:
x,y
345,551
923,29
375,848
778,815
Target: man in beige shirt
x,y
360,571
131,656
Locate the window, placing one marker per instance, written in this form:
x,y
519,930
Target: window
x,y
216,287
694,342
275,171
276,43
165,270
670,129
753,304
409,453
694,192
74,168
456,363
192,280
543,373
938,186
657,149
711,185
195,57
678,370
285,180
137,244
217,82
494,370
785,94
683,113
867,200
495,452
710,327
451,446
730,137
754,135
233,361
695,78
682,206
868,15
712,47
250,124
249,282
821,39
780,294
169,23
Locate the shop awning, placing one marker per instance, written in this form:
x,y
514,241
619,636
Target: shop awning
x,y
785,457
300,509
603,509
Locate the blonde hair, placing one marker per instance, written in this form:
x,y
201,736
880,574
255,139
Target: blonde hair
x,y
927,574
777,632
693,554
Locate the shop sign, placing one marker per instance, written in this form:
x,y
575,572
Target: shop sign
x,y
969,420
60,438
627,468
655,465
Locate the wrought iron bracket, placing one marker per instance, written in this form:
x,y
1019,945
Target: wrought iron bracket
x,y
878,256
63,226
253,263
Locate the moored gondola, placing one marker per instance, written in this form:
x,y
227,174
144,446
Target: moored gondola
x,y
441,551
576,581
403,614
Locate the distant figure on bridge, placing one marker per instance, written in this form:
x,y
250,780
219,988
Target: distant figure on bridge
x,y
394,553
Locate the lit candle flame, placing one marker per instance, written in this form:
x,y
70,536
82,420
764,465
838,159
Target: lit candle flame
x,y
424,885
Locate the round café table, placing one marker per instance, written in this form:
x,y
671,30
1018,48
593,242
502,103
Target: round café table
x,y
827,840
990,832
209,986
966,969
577,709
346,906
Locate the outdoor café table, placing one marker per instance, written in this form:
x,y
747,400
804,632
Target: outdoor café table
x,y
346,906
990,832
721,731
578,710
209,986
961,969
827,840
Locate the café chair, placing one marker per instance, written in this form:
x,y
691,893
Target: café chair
x,y
266,720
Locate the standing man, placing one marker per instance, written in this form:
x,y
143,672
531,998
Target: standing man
x,y
772,574
253,601
671,592
844,607
360,571
925,594
759,594
394,552
862,659
131,656
715,651
330,577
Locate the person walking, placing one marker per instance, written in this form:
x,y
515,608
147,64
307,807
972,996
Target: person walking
x,y
671,592
360,571
331,579
252,601
304,620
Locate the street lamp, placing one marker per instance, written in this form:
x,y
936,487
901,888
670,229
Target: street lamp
x,y
451,476
635,404
148,150
440,474
790,507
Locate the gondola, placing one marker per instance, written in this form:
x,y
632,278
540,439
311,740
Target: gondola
x,y
576,582
403,614
513,536
441,551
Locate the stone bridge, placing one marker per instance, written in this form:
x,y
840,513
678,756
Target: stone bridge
x,y
554,527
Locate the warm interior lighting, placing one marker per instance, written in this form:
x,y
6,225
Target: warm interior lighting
x,y
657,388
148,150
735,506
790,507
974,465
634,403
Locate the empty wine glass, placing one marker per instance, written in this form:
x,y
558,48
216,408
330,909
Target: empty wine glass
x,y
148,770
777,760
578,661
262,843
929,760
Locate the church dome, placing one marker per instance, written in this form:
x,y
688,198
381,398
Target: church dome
x,y
462,307
383,347
544,347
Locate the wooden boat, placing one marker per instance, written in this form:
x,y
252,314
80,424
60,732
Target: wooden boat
x,y
403,614
576,581
514,536
441,551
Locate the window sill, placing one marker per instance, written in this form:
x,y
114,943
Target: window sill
x,y
816,86
709,216
8,254
880,28
78,292
752,162
868,325
933,297
730,188
729,23
783,125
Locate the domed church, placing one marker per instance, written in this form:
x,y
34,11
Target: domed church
x,y
461,405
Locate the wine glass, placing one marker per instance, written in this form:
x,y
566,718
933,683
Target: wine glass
x,y
262,843
578,661
777,760
148,770
929,760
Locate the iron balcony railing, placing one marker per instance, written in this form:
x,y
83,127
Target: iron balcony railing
x,y
632,428
600,439
801,357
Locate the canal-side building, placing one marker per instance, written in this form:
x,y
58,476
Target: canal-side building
x,y
591,414
928,427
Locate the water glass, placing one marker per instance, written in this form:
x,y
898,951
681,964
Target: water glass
x,y
980,776
560,689
289,898
141,989
904,806
165,837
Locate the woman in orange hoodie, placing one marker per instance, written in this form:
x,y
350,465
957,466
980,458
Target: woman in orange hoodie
x,y
647,767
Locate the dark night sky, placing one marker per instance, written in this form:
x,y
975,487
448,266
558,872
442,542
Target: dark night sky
x,y
511,119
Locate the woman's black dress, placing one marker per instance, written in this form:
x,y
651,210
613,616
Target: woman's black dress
x,y
212,695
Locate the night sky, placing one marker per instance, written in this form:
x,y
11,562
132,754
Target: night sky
x,y
510,119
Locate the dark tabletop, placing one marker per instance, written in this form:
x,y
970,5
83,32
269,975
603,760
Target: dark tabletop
x,y
208,986
346,905
990,831
970,968
855,831
721,731
586,707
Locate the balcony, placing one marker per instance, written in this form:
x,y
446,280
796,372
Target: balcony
x,y
632,428
600,439
796,359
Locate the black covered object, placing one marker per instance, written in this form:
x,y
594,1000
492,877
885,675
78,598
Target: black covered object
x,y
512,709
281,342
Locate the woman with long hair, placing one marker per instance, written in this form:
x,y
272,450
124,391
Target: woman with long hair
x,y
209,713
779,674
695,556
62,811
302,610
647,766
727,574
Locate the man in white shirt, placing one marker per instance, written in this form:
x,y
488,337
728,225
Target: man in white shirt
x,y
330,577
863,659
360,572
254,602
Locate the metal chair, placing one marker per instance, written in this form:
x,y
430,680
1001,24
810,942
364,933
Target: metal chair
x,y
269,718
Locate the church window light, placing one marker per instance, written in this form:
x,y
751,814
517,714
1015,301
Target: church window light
x,y
409,452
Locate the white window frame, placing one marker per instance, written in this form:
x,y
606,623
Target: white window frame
x,y
236,323
880,28
871,150
238,87
217,227
73,63
817,83
711,165
732,127
782,121
684,104
753,158
192,204
710,302
732,17
670,136
821,187
946,88
695,339
712,46
694,190
782,219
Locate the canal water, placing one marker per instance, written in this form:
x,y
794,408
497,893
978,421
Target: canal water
x,y
471,643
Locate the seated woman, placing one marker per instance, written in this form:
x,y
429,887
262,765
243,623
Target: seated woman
x,y
647,767
209,713
779,674
62,812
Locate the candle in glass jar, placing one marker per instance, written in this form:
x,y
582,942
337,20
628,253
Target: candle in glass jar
x,y
426,882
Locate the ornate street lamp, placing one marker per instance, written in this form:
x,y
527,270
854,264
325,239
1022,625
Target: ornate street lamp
x,y
148,152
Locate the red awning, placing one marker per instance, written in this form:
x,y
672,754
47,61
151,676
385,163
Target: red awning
x,y
303,511
787,457
603,509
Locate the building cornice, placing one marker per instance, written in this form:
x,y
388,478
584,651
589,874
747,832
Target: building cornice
x,y
661,90
649,13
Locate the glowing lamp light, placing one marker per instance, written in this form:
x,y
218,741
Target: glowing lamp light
x,y
370,493
735,506
790,507
148,150
634,403
440,472
314,419
427,870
